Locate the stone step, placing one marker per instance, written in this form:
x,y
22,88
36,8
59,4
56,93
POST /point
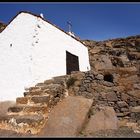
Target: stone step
x,y
59,77
28,109
36,109
41,99
41,87
44,89
51,89
5,118
56,80
22,100
22,118
29,119
40,84
16,108
44,98
54,88
60,80
32,88
32,93
22,123
50,81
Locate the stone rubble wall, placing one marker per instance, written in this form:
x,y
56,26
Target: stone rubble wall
x,y
113,93
120,58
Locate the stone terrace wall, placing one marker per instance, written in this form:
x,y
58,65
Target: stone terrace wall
x,y
118,88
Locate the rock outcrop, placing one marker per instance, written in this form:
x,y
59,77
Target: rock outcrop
x,y
68,117
2,26
122,52
104,118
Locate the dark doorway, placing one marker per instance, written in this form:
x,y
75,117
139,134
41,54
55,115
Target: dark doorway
x,y
72,62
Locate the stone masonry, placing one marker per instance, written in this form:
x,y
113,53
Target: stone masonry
x,y
31,112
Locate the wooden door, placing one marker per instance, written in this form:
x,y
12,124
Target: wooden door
x,y
72,62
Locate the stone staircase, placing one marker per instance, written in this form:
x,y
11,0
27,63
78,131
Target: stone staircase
x,y
31,112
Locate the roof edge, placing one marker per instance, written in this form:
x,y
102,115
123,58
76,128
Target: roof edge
x,y
27,12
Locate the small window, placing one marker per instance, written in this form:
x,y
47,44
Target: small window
x,y
108,78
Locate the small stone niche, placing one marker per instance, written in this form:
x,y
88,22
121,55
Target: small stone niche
x,y
108,78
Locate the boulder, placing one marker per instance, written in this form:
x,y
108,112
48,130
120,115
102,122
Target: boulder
x,y
102,120
124,59
102,62
67,118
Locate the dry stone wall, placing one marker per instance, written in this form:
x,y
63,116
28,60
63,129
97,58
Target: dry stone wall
x,y
114,76
107,89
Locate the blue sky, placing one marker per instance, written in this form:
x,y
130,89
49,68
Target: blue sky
x,y
95,21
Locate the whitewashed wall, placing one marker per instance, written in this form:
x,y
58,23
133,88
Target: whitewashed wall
x,y
38,52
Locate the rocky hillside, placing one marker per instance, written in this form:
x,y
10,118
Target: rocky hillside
x,y
2,26
114,79
118,62
108,54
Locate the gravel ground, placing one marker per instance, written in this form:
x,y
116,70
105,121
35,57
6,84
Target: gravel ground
x,y
7,133
121,132
10,133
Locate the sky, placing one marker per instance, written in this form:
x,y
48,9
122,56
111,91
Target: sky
x,y
93,21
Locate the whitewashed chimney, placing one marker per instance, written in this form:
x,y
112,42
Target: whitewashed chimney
x,y
41,15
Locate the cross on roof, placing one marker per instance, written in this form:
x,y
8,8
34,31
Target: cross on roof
x,y
69,25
